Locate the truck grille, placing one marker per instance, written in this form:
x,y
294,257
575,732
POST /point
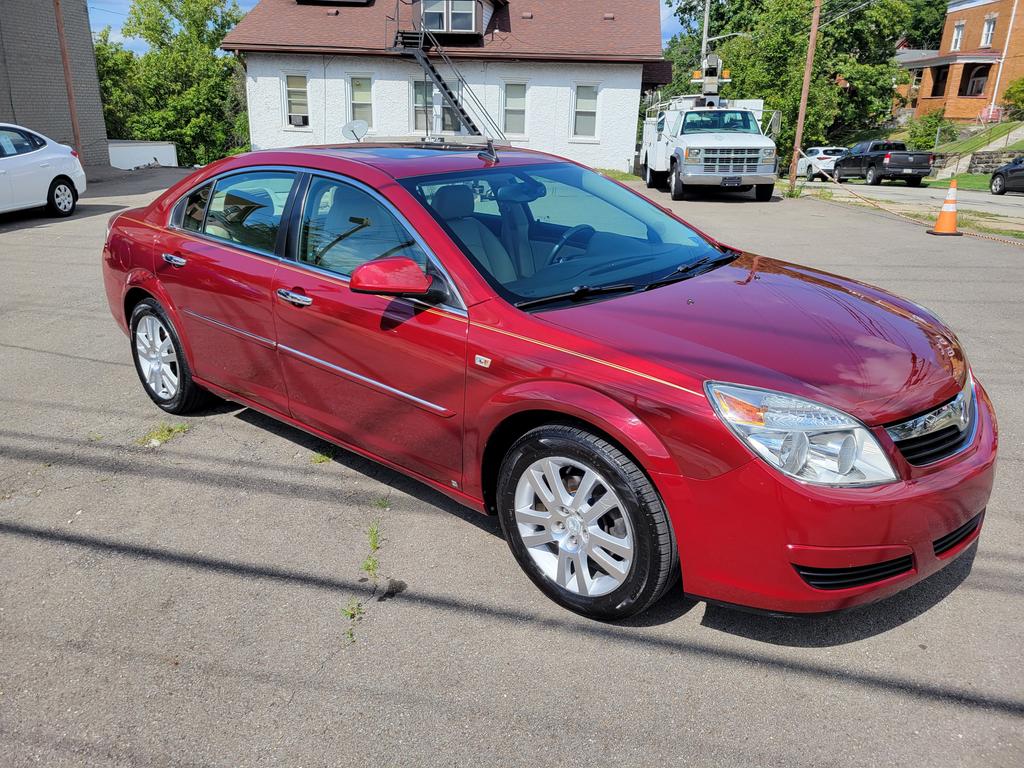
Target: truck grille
x,y
731,161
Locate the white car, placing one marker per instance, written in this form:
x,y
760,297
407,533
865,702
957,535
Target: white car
x,y
37,171
819,161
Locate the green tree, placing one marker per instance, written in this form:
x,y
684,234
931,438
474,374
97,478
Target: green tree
x,y
1013,99
181,89
927,18
921,133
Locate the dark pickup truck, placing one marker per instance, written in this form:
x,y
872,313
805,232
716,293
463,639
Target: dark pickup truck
x,y
877,160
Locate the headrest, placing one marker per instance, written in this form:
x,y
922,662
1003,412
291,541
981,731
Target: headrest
x,y
351,203
453,202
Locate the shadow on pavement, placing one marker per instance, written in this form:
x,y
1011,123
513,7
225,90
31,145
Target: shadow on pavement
x,y
637,639
847,626
39,217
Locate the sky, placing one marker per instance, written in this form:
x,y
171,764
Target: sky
x,y
112,13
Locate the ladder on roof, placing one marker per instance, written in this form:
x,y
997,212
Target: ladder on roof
x,y
418,43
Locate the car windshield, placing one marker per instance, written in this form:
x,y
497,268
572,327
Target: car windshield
x,y
719,121
544,231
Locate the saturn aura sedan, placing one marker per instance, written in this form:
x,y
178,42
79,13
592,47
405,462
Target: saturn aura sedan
x,y
36,171
636,401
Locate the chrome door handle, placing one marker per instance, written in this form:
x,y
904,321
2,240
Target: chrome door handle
x,y
44,165
298,299
175,261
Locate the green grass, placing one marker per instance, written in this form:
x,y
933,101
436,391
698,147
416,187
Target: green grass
x,y
161,433
373,535
978,181
1017,146
978,140
322,457
618,175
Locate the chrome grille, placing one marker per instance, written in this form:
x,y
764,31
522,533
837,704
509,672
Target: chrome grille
x,y
726,161
939,433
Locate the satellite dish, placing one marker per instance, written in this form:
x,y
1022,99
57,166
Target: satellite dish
x,y
355,130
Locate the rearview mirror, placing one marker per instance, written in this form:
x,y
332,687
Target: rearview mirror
x,y
396,276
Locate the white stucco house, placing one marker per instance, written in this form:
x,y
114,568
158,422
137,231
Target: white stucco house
x,y
561,76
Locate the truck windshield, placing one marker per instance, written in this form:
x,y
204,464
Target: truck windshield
x,y
537,232
720,120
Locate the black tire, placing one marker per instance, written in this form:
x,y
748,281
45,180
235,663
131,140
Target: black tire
x,y
62,199
835,175
652,179
188,396
914,181
997,186
763,192
874,178
811,175
676,188
655,564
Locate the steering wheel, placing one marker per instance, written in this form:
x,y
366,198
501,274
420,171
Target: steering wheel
x,y
566,238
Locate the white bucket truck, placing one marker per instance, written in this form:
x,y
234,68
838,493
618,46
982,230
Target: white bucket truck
x,y
705,141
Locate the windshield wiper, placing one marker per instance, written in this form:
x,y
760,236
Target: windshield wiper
x,y
686,271
577,293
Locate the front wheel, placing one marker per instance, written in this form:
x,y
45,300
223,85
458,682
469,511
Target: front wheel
x,y
997,185
61,199
585,523
763,192
676,188
160,360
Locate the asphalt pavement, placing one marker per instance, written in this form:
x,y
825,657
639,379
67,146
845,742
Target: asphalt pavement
x,y
191,604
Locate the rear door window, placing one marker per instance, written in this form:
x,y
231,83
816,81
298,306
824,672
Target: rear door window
x,y
14,142
247,208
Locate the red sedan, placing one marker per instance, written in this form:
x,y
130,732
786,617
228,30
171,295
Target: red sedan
x,y
634,400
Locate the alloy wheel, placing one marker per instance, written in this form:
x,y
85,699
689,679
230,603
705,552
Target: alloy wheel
x,y
574,526
158,360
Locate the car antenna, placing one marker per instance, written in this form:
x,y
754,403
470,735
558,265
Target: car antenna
x,y
489,155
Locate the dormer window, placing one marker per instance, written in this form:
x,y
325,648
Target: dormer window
x,y
458,16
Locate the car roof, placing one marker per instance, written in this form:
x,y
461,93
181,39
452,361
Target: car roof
x,y
404,160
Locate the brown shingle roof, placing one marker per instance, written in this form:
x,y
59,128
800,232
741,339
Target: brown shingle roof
x,y
558,30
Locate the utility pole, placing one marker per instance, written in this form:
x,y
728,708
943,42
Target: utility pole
x,y
704,35
808,66
68,82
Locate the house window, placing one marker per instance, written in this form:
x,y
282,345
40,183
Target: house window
x,y
297,99
988,32
973,79
449,15
515,108
958,36
362,101
584,122
423,106
939,77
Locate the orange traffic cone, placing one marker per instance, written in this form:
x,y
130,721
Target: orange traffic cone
x,y
946,223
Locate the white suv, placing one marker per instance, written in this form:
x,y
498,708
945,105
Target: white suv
x,y
37,171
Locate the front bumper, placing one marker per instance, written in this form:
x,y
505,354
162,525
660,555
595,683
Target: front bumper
x,y
742,535
696,178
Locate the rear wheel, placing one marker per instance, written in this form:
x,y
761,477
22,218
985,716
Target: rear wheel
x,y
160,360
997,185
585,523
763,192
811,175
61,200
873,178
651,178
676,188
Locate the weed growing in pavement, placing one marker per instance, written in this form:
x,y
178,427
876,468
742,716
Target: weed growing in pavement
x,y
371,567
384,502
373,535
161,433
354,613
322,457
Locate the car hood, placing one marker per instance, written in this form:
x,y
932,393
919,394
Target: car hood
x,y
766,323
731,140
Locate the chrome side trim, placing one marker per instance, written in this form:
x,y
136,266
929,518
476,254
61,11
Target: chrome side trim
x,y
261,340
373,383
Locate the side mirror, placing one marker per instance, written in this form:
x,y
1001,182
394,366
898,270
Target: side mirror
x,y
396,276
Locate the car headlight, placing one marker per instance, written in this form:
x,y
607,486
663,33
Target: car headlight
x,y
692,155
803,439
768,153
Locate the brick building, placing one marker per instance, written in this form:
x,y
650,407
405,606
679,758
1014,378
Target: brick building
x,y
982,52
33,89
